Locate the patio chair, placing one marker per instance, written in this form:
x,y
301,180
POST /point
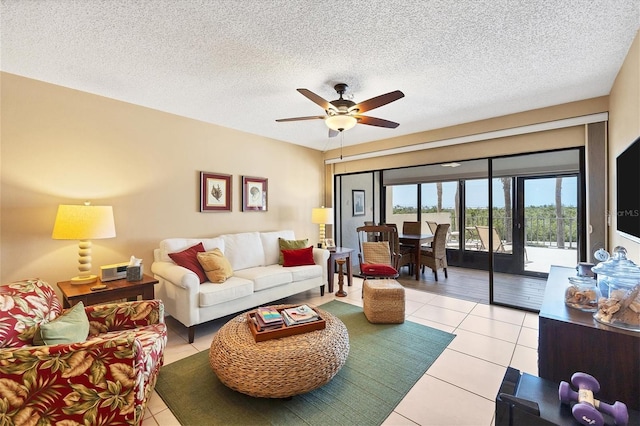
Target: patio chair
x,y
436,257
379,258
483,234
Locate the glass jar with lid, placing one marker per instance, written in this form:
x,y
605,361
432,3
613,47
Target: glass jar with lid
x,y
619,282
582,293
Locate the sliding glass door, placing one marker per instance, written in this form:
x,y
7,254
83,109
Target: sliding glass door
x,y
550,218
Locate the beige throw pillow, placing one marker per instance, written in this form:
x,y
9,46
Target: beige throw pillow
x,y
215,265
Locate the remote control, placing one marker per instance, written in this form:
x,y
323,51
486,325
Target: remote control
x,y
98,287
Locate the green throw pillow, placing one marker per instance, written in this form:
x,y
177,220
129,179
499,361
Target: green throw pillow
x,y
291,245
70,327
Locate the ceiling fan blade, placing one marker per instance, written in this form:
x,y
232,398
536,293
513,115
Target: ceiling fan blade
x,y
313,117
379,122
315,98
378,101
333,133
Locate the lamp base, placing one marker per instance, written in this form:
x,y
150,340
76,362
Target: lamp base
x,y
85,279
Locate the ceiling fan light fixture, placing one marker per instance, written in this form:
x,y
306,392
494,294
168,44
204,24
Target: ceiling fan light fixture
x,y
341,122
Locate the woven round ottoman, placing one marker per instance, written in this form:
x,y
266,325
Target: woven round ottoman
x,y
278,368
383,301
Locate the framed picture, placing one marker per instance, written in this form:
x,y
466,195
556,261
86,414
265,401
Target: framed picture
x,y
329,244
254,194
215,192
358,202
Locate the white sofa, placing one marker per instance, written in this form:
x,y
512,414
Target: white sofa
x,y
257,277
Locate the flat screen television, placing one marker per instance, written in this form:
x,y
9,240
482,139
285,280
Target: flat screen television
x,y
628,192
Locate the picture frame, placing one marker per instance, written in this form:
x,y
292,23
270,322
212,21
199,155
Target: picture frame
x,y
329,244
215,192
358,200
254,194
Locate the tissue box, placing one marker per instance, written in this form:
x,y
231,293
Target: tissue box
x,y
134,273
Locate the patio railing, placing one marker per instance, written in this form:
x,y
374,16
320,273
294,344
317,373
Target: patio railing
x,y
539,231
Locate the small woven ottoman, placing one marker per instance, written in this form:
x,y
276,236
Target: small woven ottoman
x,y
278,368
383,301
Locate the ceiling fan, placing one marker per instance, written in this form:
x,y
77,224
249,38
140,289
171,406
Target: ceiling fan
x,y
343,114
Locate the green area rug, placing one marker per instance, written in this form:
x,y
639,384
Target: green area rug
x,y
385,361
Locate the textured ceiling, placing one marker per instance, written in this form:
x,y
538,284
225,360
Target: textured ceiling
x,y
238,63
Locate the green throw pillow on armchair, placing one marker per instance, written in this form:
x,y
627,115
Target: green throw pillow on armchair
x,y
70,327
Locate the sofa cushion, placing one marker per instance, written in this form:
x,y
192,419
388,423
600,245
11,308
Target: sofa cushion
x,y
271,246
70,327
172,245
266,276
234,288
302,273
189,259
23,306
290,245
215,265
298,257
244,250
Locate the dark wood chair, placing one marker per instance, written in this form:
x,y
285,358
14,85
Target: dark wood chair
x,y
379,258
436,256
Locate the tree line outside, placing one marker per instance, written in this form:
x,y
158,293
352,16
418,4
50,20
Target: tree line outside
x,y
542,225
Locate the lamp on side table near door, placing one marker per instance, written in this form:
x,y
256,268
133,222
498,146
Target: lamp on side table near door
x,y
322,216
84,223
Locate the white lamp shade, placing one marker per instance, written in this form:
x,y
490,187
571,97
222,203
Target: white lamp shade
x,y
340,122
322,215
82,222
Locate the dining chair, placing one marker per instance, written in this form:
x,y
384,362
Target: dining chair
x,y
411,228
404,254
436,256
408,251
378,259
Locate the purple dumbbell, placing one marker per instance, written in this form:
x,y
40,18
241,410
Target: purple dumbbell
x,y
586,409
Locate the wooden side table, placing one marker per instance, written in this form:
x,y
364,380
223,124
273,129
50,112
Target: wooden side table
x,y
339,253
117,289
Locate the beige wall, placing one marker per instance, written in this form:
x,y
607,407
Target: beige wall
x,y
62,146
624,128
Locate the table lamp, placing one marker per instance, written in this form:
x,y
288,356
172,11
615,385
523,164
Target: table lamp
x,y
322,216
84,223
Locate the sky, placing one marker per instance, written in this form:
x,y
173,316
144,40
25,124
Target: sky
x,y
538,192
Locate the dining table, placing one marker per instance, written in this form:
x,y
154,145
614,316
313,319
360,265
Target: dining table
x,y
417,240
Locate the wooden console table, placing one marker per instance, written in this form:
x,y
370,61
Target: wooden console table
x,y
571,340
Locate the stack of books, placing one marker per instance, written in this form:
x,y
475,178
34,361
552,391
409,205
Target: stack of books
x,y
299,315
268,318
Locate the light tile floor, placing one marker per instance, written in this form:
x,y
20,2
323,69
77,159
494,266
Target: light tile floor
x,y
458,389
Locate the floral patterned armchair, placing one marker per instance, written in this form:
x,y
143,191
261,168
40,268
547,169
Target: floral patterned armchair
x,y
105,379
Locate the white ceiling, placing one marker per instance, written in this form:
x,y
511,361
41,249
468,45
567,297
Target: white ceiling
x,y
238,63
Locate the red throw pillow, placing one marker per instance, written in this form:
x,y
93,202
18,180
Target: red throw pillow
x,y
378,269
299,257
188,258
